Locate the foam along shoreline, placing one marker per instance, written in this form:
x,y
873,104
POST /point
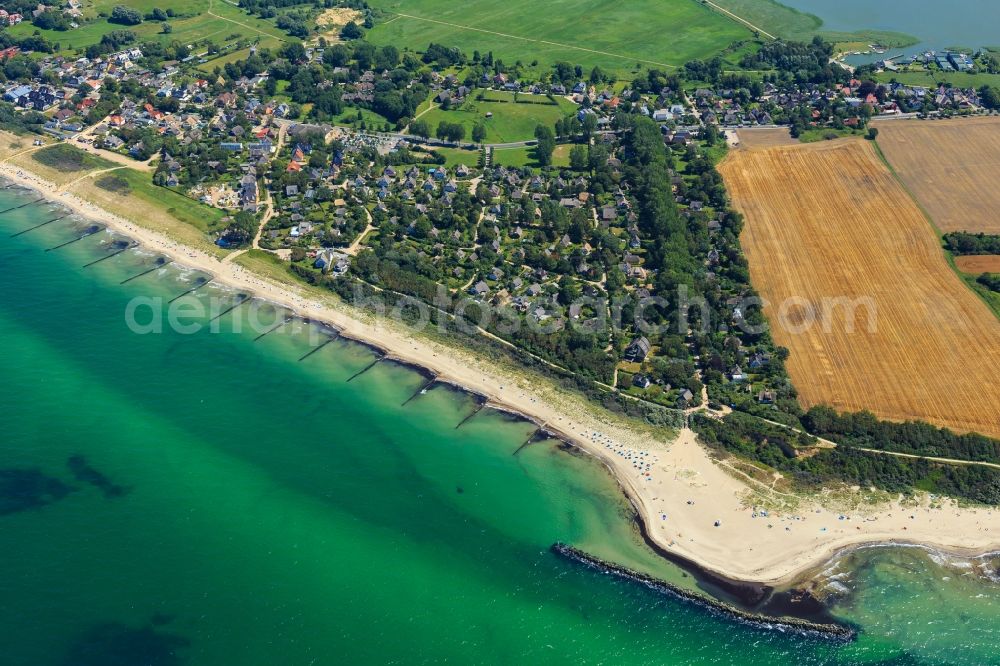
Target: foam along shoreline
x,y
689,505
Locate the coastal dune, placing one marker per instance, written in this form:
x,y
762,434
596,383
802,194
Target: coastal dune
x,y
690,504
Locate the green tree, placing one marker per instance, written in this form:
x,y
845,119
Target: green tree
x,y
578,158
990,97
293,52
589,124
420,128
479,133
351,31
125,16
546,144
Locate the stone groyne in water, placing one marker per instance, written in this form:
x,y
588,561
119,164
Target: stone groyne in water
x,y
786,624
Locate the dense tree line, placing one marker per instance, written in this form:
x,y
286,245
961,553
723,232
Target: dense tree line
x,y
443,56
449,131
111,42
20,121
241,230
990,97
962,242
762,442
863,429
125,16
803,62
258,6
52,19
990,280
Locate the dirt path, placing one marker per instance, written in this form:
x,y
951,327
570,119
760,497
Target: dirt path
x,y
356,245
89,174
738,19
109,155
830,444
268,203
243,25
947,461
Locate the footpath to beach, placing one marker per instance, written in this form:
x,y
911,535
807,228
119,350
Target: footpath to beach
x,y
692,505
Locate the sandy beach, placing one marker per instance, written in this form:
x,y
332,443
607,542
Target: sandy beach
x,y
691,504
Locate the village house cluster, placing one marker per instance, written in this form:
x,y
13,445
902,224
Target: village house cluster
x,y
561,250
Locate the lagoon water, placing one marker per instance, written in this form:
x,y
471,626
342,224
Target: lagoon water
x,y
938,25
209,499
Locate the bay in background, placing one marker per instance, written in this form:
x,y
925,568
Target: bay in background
x,y
970,24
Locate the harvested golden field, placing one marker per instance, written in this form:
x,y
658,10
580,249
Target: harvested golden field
x,y
765,137
951,166
827,223
975,264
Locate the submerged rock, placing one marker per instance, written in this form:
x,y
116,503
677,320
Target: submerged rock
x,y
84,473
24,489
116,644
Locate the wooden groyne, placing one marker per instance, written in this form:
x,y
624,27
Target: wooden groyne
x,y
479,408
7,210
243,299
273,328
128,246
317,347
189,291
420,390
531,438
786,624
160,263
38,226
89,232
365,369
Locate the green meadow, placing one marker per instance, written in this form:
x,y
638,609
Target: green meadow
x,y
774,18
525,156
614,35
195,21
932,78
510,121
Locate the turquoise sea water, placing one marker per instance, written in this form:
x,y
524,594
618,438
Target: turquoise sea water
x,y
209,499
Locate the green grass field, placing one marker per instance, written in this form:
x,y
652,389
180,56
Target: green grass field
x,y
510,121
932,78
456,156
827,134
522,157
774,17
372,120
196,21
614,35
